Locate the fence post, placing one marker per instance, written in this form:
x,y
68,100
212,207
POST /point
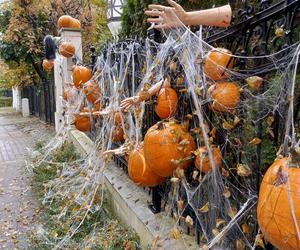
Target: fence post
x,y
63,71
17,103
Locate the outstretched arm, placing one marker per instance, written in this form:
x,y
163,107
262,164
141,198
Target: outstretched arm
x,y
127,103
169,17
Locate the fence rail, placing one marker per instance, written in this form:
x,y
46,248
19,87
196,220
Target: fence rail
x,y
41,100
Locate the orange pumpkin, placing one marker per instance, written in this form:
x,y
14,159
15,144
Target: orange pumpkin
x,y
202,161
67,49
48,64
82,123
118,118
139,172
165,143
118,134
216,63
166,103
225,95
92,91
81,75
280,186
67,21
70,94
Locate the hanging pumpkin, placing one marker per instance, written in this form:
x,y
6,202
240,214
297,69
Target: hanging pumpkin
x,y
225,95
165,145
48,64
67,21
139,172
82,122
118,134
92,91
118,118
202,161
166,103
217,62
279,197
66,49
81,74
70,94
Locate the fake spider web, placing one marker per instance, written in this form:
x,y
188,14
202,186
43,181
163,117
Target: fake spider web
x,y
220,205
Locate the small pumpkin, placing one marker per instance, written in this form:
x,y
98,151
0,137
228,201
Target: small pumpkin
x,y
225,95
66,49
280,185
70,94
118,134
139,171
82,123
67,21
202,161
81,74
165,144
166,103
217,62
48,64
92,91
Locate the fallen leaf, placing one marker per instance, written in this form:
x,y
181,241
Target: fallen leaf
x,y
226,192
219,222
232,211
195,174
246,229
255,141
180,204
259,241
213,133
225,173
236,121
270,120
240,244
176,233
227,126
254,82
215,231
243,170
205,208
189,221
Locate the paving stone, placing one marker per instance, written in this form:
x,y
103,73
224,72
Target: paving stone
x,y
17,203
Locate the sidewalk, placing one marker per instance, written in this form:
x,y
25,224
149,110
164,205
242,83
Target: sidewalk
x,y
18,207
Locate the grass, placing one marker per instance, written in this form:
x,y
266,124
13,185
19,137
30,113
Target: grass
x,y
5,101
101,229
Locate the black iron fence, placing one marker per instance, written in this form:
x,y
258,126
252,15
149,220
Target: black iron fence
x,y
41,100
254,33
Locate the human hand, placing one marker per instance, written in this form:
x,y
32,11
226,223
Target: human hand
x,y
167,17
127,103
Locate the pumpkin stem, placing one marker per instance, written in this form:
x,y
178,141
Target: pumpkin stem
x,y
160,125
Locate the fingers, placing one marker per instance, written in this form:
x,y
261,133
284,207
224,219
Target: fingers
x,y
161,26
154,20
156,7
173,4
153,13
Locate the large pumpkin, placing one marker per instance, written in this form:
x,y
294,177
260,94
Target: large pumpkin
x,y
118,134
166,103
164,144
139,171
82,123
225,95
67,21
92,91
217,62
66,49
81,75
279,195
202,161
48,64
